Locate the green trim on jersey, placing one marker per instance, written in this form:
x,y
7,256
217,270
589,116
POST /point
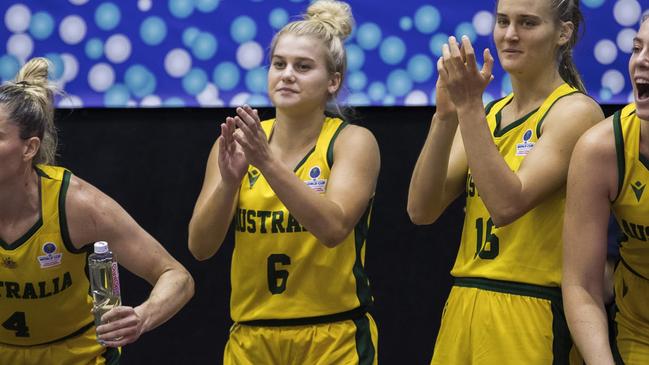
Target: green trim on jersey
x,y
538,126
619,151
501,132
364,347
63,220
306,157
330,148
491,104
644,160
360,236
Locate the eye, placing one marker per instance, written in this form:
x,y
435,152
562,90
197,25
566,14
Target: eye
x,y
304,67
636,48
502,22
528,23
279,64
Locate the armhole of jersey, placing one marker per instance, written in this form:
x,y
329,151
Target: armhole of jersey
x,y
540,123
491,104
619,151
63,220
330,149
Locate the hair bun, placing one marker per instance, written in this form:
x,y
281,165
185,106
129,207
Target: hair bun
x,y
337,15
34,72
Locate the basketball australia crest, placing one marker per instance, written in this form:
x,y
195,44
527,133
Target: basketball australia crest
x,y
523,148
318,185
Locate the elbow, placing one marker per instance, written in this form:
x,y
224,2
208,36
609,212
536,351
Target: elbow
x,y
419,216
334,237
506,215
198,254
189,286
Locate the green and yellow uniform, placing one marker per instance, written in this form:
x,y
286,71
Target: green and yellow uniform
x,y
631,209
505,305
287,286
45,306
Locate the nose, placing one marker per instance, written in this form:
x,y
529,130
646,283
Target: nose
x,y
288,74
511,34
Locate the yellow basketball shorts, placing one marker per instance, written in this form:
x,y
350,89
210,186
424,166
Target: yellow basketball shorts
x,y
349,342
490,322
79,350
631,317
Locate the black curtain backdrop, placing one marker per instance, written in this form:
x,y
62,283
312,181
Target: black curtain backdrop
x,y
152,162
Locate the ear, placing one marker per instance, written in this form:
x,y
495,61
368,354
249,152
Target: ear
x,y
334,83
30,148
565,32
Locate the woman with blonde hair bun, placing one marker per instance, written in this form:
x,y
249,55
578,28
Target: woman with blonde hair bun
x,y
300,188
48,222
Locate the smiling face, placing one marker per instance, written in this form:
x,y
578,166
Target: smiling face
x,y
298,78
526,35
639,71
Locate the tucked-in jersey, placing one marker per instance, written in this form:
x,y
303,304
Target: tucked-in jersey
x,y
529,249
279,269
631,206
44,289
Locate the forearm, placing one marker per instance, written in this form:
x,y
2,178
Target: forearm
x,y
499,187
211,220
588,325
320,216
427,194
171,292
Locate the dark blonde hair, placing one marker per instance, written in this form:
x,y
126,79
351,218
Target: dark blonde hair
x,y
29,102
329,21
569,11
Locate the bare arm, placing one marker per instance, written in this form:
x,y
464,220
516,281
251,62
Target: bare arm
x,y
93,216
508,194
217,200
592,183
440,171
332,216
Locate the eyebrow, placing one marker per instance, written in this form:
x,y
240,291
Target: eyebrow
x,y
526,16
298,58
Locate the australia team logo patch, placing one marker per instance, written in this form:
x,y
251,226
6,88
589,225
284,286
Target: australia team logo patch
x,y
318,185
9,263
522,149
51,258
253,175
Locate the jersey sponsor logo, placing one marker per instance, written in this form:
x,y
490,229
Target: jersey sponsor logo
x,y
318,185
266,221
35,290
9,263
634,230
638,189
51,258
522,149
253,175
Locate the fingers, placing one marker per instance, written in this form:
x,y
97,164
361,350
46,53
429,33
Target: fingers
x,y
441,71
471,62
487,67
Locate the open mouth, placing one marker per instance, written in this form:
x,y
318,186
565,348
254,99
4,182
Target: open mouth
x,y
643,89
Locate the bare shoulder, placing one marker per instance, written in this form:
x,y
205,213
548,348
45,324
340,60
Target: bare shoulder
x,y
579,103
355,137
86,210
599,141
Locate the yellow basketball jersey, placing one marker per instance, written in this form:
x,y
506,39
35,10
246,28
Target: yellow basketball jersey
x,y
280,271
44,290
529,249
631,206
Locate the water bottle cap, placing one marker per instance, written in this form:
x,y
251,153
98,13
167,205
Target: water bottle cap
x,y
101,247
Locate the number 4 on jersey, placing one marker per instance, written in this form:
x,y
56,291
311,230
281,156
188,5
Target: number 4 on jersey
x,y
17,323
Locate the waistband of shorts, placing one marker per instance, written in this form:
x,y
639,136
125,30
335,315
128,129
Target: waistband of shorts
x,y
71,335
329,318
510,287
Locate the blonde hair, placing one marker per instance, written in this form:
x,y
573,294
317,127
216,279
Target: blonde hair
x,y
329,21
29,102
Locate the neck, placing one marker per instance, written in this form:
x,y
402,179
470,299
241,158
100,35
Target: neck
x,y
19,197
296,131
531,90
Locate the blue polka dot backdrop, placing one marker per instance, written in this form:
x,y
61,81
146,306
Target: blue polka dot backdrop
x,y
212,53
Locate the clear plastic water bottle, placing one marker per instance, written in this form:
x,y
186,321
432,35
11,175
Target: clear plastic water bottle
x,y
104,280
